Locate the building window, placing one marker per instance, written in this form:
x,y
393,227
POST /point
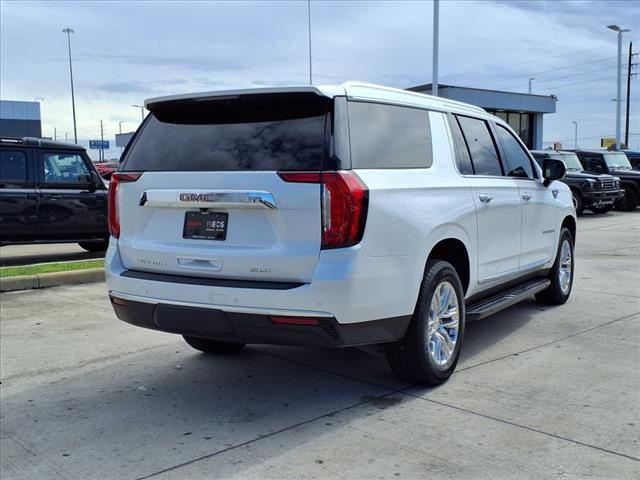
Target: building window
x,y
520,122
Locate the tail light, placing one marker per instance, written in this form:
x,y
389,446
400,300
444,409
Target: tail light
x,y
344,205
116,179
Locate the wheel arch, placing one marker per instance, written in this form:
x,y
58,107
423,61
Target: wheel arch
x,y
633,185
454,251
570,223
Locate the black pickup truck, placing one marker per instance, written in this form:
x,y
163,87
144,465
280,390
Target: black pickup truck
x,y
598,192
50,192
614,163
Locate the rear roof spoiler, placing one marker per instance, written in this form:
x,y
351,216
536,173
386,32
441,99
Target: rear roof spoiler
x,y
329,92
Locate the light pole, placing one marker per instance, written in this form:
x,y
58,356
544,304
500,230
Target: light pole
x,y
69,31
575,136
120,126
141,107
309,32
531,79
436,27
66,137
620,31
38,99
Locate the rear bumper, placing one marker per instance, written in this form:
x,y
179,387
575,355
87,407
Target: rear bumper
x,y
367,299
242,327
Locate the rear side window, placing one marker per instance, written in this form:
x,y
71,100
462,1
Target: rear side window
x,y
13,167
245,133
462,152
481,146
518,163
389,136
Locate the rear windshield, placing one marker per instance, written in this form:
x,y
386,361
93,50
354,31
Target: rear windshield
x,y
245,133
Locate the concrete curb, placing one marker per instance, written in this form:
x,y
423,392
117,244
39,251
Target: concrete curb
x,y
53,279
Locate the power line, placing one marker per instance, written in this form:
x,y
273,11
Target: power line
x,y
558,87
552,70
474,72
565,76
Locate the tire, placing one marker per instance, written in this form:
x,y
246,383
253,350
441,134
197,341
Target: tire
x,y
419,357
207,345
629,201
601,209
95,246
560,289
578,203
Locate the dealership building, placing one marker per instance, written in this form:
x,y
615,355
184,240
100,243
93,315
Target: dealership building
x,y
20,119
523,112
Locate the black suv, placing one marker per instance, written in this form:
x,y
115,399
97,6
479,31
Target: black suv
x,y
614,163
50,193
598,193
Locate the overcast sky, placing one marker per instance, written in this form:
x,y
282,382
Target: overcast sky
x,y
126,51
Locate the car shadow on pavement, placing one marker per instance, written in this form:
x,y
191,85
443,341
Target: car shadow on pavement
x,y
170,405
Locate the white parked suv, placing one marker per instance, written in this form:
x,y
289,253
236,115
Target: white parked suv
x,y
335,216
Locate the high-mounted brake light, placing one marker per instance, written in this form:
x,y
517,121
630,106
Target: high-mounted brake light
x,y
116,179
345,201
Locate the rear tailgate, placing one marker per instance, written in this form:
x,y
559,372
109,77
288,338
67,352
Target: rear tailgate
x,y
210,203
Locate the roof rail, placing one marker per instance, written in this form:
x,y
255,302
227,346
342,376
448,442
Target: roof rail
x,y
14,140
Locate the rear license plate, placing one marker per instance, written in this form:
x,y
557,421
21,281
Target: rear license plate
x,y
205,225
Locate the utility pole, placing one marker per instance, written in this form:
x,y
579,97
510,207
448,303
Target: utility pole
x,y
436,27
620,31
55,134
575,136
309,31
531,79
69,31
626,122
101,142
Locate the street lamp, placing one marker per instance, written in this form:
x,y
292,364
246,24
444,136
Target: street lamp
x,y
531,79
141,107
575,136
69,31
620,31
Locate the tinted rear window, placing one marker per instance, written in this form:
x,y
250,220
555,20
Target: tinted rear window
x,y
247,133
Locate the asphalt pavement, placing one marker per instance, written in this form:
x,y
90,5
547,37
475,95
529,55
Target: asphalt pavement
x,y
14,255
540,392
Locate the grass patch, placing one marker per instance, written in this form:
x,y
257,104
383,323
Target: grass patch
x,y
49,268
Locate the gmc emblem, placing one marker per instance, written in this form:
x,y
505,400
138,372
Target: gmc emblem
x,y
195,197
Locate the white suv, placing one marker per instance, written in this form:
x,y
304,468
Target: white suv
x,y
335,216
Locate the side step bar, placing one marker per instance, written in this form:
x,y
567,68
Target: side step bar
x,y
505,299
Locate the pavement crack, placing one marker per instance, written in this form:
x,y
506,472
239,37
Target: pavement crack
x,y
369,399
526,350
530,429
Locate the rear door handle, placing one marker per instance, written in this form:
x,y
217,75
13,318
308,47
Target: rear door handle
x,y
485,197
526,196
